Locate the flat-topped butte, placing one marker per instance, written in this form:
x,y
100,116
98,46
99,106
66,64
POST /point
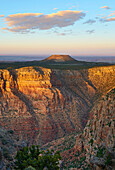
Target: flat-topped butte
x,y
60,58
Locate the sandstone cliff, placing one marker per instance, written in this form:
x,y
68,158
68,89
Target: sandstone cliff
x,y
41,105
97,142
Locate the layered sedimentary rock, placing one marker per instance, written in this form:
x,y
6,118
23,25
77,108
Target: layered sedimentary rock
x,y
41,104
97,140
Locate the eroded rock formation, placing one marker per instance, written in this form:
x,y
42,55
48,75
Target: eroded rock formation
x,y
41,105
97,140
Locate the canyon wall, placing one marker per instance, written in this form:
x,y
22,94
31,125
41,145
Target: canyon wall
x,y
41,105
97,141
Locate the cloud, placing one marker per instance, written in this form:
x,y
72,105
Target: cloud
x,y
72,7
100,14
90,31
61,34
90,21
112,14
55,8
1,15
65,32
96,17
30,21
105,7
110,19
107,19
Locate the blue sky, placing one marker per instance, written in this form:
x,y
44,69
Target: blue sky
x,y
75,27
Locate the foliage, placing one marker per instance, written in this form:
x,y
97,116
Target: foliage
x,y
32,156
91,142
101,152
30,168
108,160
11,131
4,141
76,65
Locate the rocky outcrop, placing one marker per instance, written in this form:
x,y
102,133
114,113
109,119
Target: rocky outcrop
x,y
41,105
97,140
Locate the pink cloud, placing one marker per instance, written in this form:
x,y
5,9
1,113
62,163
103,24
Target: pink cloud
x,y
31,21
1,15
105,7
112,14
110,19
55,8
107,19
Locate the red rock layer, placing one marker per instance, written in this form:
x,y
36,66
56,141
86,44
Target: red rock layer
x,y
41,105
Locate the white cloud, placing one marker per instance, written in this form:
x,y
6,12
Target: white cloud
x,y
31,21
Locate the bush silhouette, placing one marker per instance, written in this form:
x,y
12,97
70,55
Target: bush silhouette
x,y
32,156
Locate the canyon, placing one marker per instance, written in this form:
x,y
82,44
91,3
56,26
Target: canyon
x,y
41,105
93,147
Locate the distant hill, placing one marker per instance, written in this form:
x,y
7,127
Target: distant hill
x,y
59,58
109,59
54,62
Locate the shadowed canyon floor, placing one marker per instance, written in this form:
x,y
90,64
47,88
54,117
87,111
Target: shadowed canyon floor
x,y
41,105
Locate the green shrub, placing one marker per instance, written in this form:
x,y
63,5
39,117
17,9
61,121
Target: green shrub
x,y
30,168
11,131
100,152
32,156
91,142
4,141
6,154
108,160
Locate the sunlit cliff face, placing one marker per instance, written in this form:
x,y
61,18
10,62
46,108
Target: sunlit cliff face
x,y
42,104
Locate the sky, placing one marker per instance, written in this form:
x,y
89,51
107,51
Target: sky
x,y
46,27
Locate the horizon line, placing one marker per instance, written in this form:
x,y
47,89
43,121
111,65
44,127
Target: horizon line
x,y
43,55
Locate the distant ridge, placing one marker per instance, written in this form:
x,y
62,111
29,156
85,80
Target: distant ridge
x,y
59,58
